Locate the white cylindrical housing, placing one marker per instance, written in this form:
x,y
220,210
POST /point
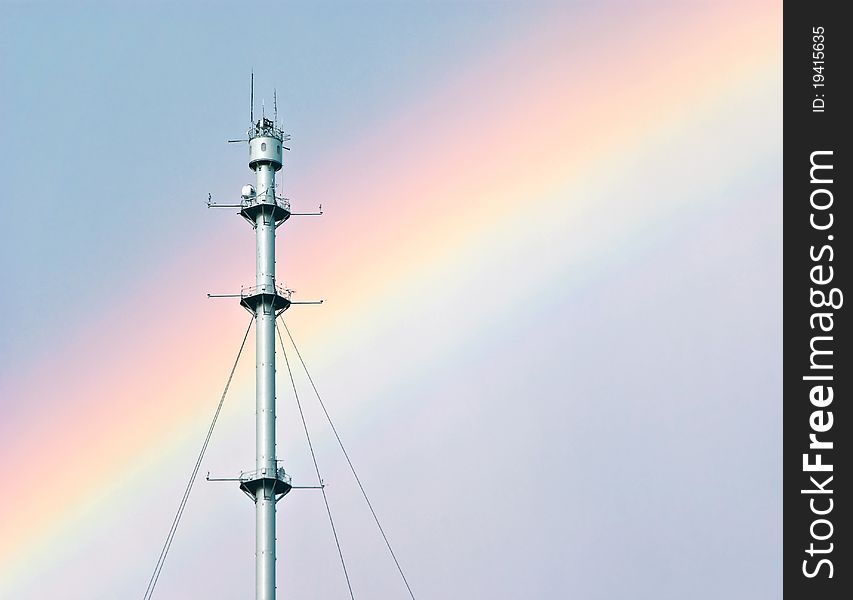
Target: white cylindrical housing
x,y
265,149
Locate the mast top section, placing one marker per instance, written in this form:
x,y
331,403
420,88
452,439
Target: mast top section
x,y
265,144
265,136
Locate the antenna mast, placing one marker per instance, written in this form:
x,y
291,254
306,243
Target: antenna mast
x,y
268,482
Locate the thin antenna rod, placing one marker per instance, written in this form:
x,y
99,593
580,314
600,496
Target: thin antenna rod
x,y
274,107
252,101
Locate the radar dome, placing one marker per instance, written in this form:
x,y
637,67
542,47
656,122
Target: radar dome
x,y
248,192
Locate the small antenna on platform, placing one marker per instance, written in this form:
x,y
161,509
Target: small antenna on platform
x,y
252,100
274,107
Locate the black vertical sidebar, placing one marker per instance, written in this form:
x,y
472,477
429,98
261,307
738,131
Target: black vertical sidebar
x,y
818,364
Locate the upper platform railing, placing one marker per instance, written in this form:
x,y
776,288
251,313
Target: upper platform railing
x,y
267,128
277,289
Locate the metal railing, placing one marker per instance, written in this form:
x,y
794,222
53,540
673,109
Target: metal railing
x,y
267,128
266,198
277,289
277,473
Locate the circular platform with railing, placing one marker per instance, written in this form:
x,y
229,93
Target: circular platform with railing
x,y
276,296
277,481
267,204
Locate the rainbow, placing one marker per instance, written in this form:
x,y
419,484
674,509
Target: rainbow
x,y
503,153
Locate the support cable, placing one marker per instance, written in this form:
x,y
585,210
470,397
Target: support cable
x,y
158,568
316,466
349,462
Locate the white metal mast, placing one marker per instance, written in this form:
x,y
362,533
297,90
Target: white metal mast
x,y
268,483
